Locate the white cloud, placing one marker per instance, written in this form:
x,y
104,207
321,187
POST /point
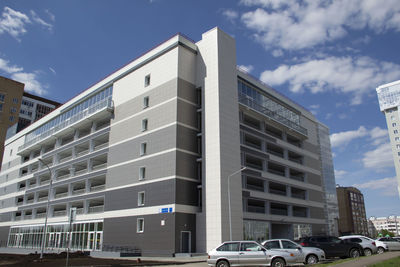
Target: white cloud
x,y
246,68
40,21
298,24
379,136
51,15
4,66
314,109
13,22
52,70
357,76
379,158
343,138
277,52
340,173
230,15
387,185
31,82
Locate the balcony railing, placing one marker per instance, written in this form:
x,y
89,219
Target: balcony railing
x,y
255,209
99,166
42,199
59,213
65,176
40,215
80,211
106,103
96,209
61,195
251,103
79,191
97,188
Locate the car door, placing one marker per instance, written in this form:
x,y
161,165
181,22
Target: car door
x,y
252,254
339,246
293,249
229,251
323,243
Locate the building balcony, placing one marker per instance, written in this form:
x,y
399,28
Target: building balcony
x,y
251,103
96,209
97,110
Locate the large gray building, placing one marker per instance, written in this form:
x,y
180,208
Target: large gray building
x,y
145,156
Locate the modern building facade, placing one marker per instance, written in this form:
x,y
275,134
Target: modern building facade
x,y
10,102
390,223
389,102
145,156
352,216
328,180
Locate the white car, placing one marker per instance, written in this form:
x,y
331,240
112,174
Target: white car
x,y
381,247
247,253
306,255
367,244
392,244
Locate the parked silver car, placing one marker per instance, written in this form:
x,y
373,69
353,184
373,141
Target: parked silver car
x,y
306,255
392,244
248,253
368,244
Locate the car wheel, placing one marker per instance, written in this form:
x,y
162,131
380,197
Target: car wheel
x,y
223,263
278,263
311,259
354,253
380,250
367,252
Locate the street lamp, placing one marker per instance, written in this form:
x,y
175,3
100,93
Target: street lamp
x,y
229,200
47,209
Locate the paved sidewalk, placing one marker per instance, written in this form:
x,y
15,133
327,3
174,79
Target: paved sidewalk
x,y
367,261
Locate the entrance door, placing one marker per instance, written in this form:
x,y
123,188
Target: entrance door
x,y
186,242
18,242
99,240
90,242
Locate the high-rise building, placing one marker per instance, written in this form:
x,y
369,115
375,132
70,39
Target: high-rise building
x,y
150,158
10,101
352,216
389,102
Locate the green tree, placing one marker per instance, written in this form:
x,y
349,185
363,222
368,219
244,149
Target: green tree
x,y
385,232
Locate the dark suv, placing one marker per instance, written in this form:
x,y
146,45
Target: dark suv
x,y
333,246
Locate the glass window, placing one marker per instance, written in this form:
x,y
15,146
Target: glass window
x,y
142,173
144,125
145,102
234,246
143,148
11,118
250,246
147,80
141,199
395,131
1,106
289,244
272,244
2,97
15,100
394,124
140,225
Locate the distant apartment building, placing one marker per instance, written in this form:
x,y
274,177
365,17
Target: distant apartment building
x,y
34,108
145,156
18,109
390,223
10,101
389,102
352,216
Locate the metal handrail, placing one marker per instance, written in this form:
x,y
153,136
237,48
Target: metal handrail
x,y
251,103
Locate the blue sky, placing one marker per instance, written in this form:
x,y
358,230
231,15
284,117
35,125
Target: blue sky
x,y
329,56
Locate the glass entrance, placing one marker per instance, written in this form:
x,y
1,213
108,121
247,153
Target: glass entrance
x,y
185,242
99,237
90,242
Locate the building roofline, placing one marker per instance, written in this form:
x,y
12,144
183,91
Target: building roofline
x,y
39,98
11,80
176,39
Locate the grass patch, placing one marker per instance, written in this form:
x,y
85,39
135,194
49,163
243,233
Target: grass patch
x,y
395,262
334,262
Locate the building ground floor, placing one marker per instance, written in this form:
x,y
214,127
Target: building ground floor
x,y
163,234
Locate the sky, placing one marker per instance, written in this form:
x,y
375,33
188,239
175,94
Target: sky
x,y
328,56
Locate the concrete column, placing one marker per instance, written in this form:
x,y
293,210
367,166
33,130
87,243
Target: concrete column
x,y
87,186
94,126
76,135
